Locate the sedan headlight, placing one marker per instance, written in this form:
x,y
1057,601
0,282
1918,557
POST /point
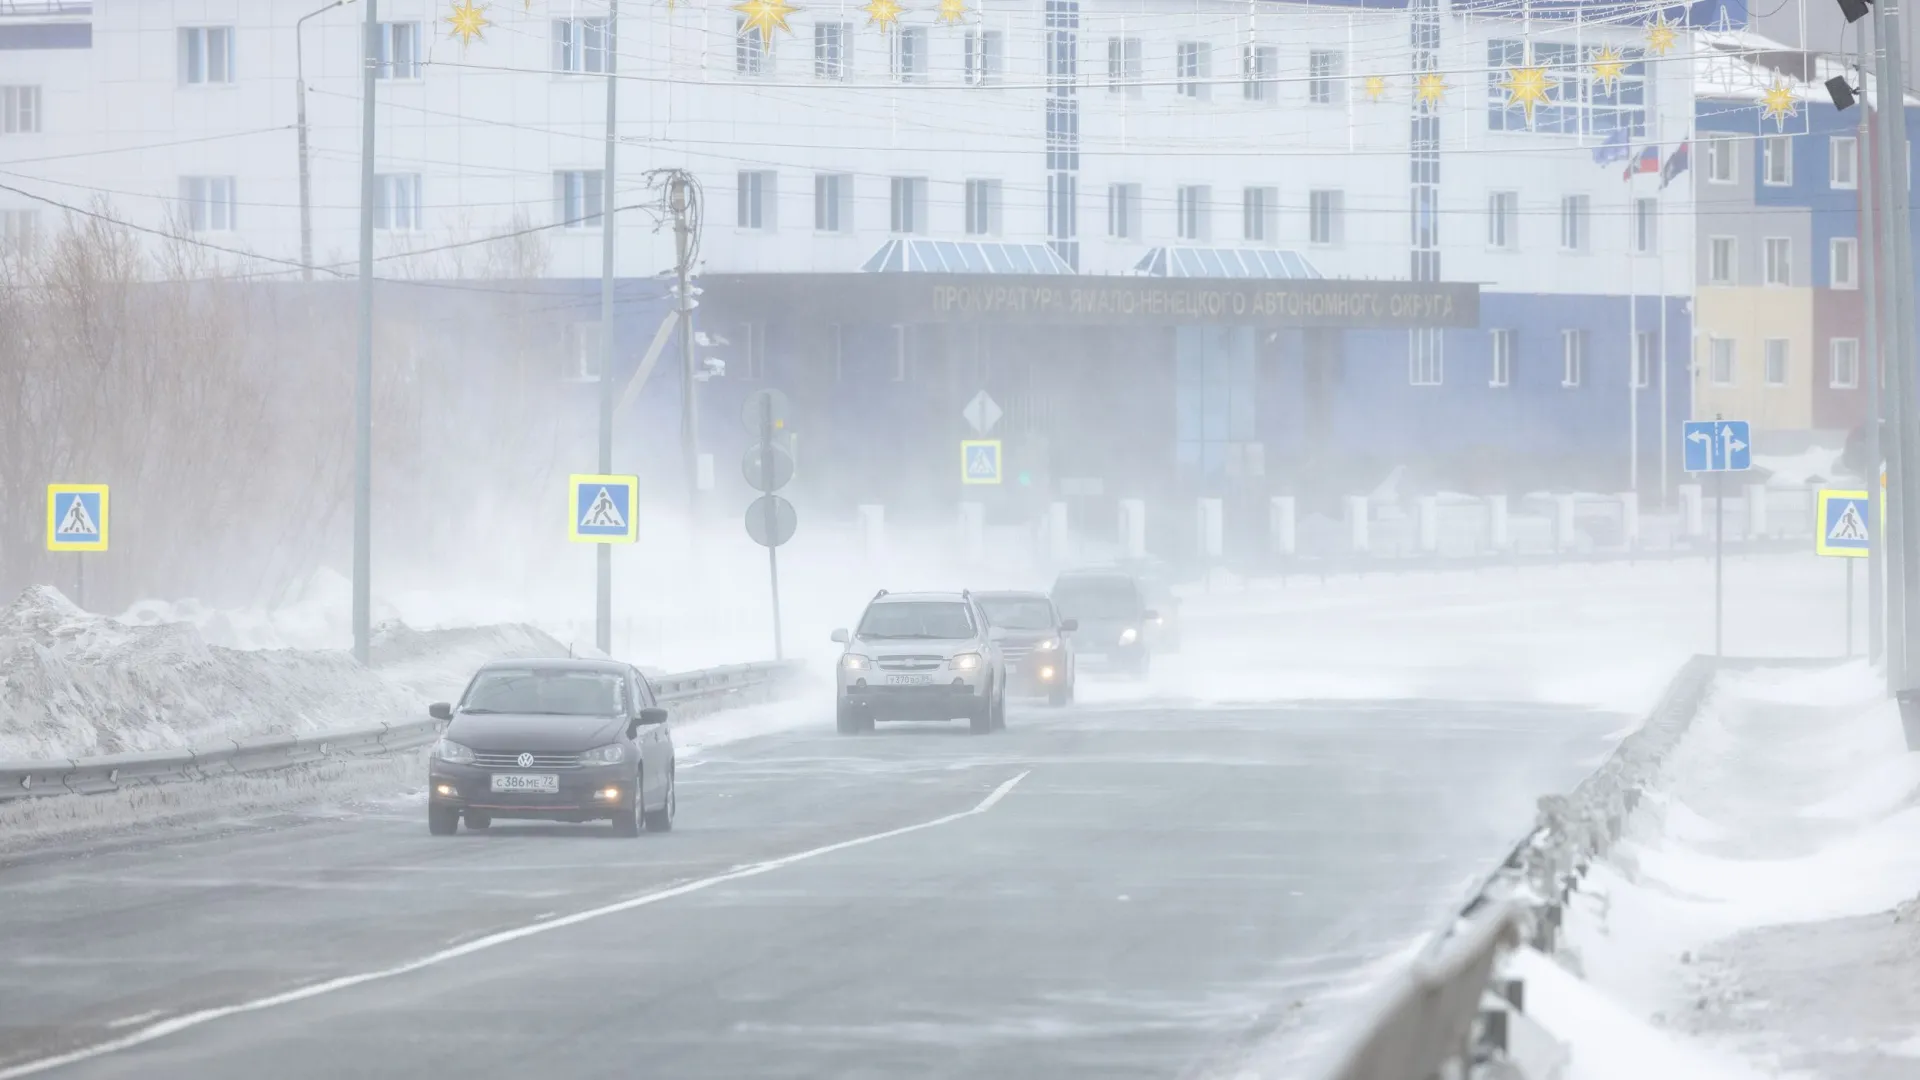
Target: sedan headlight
x,y
610,754
966,661
855,662
448,750
1048,645
1129,636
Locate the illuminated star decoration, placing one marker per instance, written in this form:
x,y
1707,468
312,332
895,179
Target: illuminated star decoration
x,y
1608,66
1661,35
1428,89
764,16
468,21
953,12
883,13
1777,102
1375,87
1526,87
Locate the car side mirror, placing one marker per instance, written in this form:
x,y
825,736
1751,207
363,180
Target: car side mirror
x,y
440,710
1150,615
841,637
648,717
1068,626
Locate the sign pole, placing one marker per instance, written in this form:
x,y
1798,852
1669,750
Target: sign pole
x,y
1849,609
1719,542
773,531
603,564
79,580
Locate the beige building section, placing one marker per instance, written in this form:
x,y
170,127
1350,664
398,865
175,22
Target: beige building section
x,y
1749,318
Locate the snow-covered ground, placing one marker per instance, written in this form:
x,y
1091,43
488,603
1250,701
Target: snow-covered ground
x,y
1760,916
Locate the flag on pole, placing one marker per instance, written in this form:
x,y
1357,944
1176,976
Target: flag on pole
x,y
1676,164
1612,150
1647,161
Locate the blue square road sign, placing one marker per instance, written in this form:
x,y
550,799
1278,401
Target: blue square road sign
x,y
1716,446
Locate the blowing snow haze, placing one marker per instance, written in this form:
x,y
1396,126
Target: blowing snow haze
x,y
1254,443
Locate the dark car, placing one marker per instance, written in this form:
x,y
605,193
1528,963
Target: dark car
x,y
1155,579
553,740
1036,641
1113,621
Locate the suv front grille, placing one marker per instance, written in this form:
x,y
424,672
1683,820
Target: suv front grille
x,y
911,663
1016,652
512,761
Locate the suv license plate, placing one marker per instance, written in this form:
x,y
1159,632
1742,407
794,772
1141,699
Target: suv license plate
x,y
909,680
543,783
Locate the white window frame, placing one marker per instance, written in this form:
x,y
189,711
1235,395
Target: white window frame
x,y
398,208
907,206
1843,262
1259,67
833,202
753,53
1573,358
1426,357
1776,160
1646,346
1503,221
756,200
580,45
1191,211
985,54
579,198
1575,223
1775,353
1723,162
1776,269
1501,345
907,53
206,55
983,207
1843,162
1259,214
20,112
1326,77
1126,69
1843,376
832,50
1646,226
1192,65
1326,217
1123,211
399,59
1723,361
208,203
1731,245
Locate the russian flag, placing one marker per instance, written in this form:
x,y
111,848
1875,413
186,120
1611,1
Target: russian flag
x,y
1647,161
1675,165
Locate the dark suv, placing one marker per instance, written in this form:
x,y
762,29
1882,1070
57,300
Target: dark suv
x,y
1036,642
1113,620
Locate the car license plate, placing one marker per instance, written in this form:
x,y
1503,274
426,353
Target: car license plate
x,y
909,680
543,783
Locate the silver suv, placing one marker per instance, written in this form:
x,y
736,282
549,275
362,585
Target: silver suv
x,y
920,656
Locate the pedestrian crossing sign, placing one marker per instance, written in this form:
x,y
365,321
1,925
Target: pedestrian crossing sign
x,y
76,517
980,461
1843,524
602,509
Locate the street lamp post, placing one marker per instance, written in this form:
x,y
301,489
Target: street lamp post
x,y
300,94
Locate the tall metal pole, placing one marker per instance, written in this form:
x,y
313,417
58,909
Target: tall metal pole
x,y
363,376
1633,345
603,606
680,201
1896,338
300,115
772,519
1865,177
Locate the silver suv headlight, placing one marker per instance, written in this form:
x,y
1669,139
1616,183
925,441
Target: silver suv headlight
x,y
1048,645
1129,636
610,754
448,750
855,662
966,661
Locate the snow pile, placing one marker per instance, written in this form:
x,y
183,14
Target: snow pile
x,y
74,684
1760,907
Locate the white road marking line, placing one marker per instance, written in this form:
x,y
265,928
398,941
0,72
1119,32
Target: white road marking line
x,y
192,1020
129,1021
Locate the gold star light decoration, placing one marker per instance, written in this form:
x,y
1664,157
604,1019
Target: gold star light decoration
x,y
1661,35
1778,102
1375,87
765,16
883,13
1608,66
468,21
953,12
1428,89
1526,87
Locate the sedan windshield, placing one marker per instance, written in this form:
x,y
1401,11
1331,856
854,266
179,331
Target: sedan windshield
x,y
1019,612
1098,599
547,693
917,619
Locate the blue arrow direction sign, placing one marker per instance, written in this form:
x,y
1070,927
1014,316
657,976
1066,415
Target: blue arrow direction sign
x,y
1716,446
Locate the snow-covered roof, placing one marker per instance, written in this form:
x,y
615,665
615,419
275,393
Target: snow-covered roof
x,y
1740,65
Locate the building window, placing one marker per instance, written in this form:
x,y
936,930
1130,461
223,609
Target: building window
x,y
1259,207
1646,226
758,193
1843,161
576,198
1777,160
1123,211
907,53
1326,217
1843,262
832,50
1063,216
1720,260
1326,71
1776,356
398,208
1646,345
1843,355
1779,251
1720,361
1190,211
1502,354
1259,66
207,202
1573,357
752,50
908,205
1722,161
19,231
1577,101
833,202
1124,68
1425,357
399,51
986,57
1503,220
19,110
206,55
983,208
1573,223
1192,59
580,46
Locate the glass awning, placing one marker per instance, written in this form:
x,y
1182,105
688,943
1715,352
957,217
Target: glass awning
x,y
915,255
1225,263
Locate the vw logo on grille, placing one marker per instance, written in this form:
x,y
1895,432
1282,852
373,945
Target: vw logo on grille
x,y
526,761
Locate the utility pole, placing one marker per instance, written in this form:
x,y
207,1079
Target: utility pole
x,y
300,114
603,614
1897,338
1864,178
363,375
680,200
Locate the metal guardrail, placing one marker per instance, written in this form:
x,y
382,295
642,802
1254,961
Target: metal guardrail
x,y
709,690
1441,1012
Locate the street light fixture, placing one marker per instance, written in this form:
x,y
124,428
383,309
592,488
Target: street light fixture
x,y
300,92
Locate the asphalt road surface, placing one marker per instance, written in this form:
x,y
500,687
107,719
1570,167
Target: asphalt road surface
x,y
1097,892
